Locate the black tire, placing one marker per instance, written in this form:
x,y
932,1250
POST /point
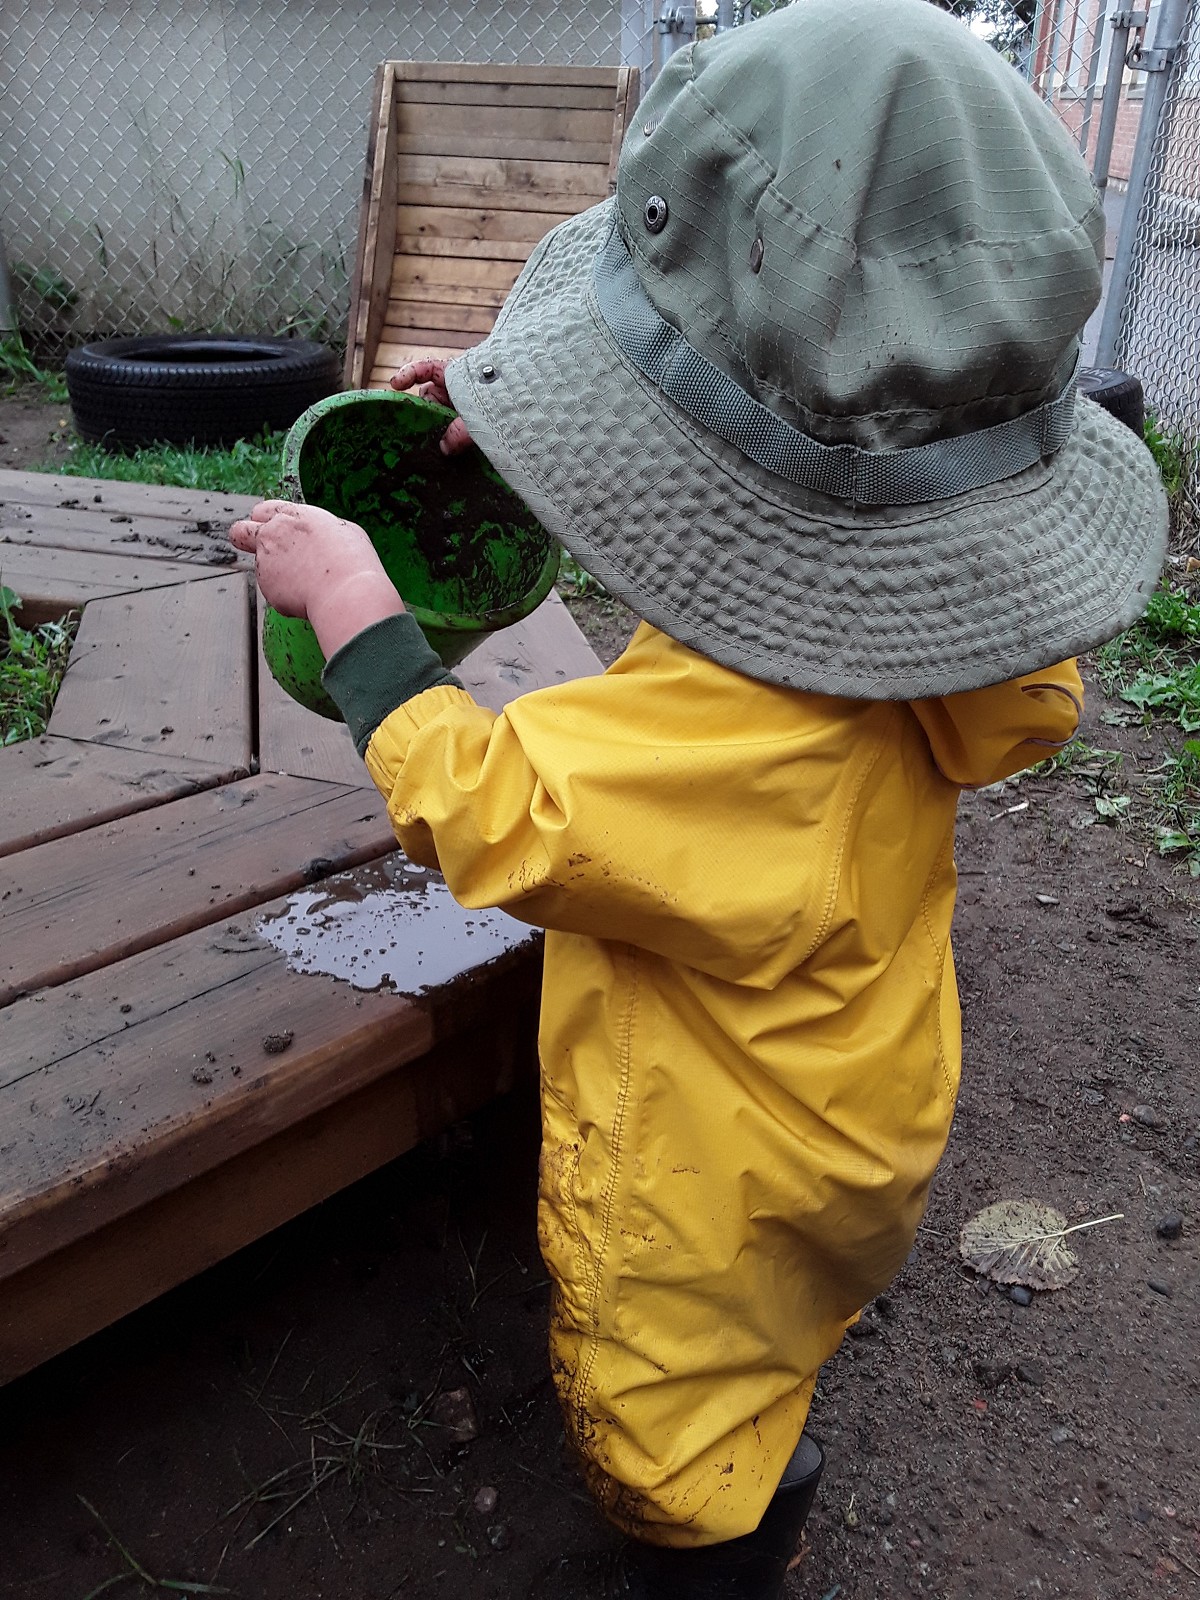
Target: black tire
x,y
1118,392
194,388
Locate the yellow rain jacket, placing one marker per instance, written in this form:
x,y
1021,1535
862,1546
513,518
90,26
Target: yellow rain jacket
x,y
750,1026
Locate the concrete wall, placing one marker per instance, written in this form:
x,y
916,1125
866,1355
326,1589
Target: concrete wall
x,y
199,162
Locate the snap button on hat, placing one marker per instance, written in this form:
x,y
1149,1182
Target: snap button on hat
x,y
488,373
655,214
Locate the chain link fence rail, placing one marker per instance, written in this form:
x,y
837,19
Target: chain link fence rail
x,y
197,164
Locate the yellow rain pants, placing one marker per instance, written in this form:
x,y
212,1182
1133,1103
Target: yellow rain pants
x,y
750,1027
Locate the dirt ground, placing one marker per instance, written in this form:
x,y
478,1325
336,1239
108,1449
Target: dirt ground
x,y
279,1428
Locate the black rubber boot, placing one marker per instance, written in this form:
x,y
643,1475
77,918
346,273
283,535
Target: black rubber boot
x,y
750,1568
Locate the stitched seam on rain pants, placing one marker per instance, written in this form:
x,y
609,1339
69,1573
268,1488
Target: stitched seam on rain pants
x,y
625,1057
935,870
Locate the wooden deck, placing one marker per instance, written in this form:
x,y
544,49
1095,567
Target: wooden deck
x,y
181,843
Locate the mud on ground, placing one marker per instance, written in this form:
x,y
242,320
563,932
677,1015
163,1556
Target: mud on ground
x,y
280,1427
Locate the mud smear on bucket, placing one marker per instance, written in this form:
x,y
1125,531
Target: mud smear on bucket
x,y
390,925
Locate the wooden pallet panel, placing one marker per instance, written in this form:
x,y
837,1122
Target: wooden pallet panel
x,y
471,231
84,902
53,787
119,534
167,668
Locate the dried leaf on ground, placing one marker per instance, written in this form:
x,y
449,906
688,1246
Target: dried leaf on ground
x,y
1019,1241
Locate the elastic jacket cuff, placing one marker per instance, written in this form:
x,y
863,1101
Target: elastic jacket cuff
x,y
379,669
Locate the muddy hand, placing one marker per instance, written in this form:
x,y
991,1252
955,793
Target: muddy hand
x,y
312,564
428,377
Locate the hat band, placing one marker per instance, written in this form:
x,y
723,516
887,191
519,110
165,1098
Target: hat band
x,y
935,471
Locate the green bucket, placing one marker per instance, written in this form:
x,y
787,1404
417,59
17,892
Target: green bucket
x,y
465,552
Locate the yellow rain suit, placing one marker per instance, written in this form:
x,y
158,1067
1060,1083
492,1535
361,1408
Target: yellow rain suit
x,y
750,1027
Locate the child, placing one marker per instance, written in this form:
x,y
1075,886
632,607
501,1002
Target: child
x,y
803,396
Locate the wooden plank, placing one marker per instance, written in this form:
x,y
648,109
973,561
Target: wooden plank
x,y
376,234
507,93
479,232
67,1295
119,534
406,315
543,650
624,106
530,151
380,377
489,72
53,582
295,741
445,277
168,669
500,129
83,902
141,499
53,787
501,184
129,1082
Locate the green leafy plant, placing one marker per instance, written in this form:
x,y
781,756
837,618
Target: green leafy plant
x,y
250,466
32,663
18,368
1170,454
46,285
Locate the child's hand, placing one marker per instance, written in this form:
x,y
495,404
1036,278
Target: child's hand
x,y
428,377
312,564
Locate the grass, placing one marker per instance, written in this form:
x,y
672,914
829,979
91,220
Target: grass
x,y
251,466
18,371
1155,668
32,663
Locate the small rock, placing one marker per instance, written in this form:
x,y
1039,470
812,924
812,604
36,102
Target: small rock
x,y
1046,899
1160,1286
1020,1295
276,1043
1170,1226
454,1410
1092,1097
1148,1117
486,1501
1031,1372
991,1374
499,1536
864,1328
1061,1435
201,1075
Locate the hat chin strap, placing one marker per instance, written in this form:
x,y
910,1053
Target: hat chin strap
x,y
935,471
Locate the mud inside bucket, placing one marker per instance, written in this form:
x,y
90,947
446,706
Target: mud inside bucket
x,y
465,552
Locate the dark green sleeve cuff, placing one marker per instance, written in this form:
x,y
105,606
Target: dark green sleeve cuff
x,y
378,670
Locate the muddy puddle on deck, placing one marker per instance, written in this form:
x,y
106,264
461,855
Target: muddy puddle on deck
x,y
390,925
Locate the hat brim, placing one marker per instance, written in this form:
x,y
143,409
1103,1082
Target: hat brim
x,y
779,582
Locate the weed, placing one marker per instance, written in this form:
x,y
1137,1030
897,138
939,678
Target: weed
x,y
32,663
1170,453
133,1568
250,466
574,581
18,369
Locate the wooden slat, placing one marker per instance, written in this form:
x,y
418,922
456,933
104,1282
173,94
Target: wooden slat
x,y
380,377
83,902
168,669
376,234
501,184
53,787
142,499
52,582
405,315
444,277
500,129
296,741
406,306
488,234
119,534
624,106
66,1295
530,151
489,72
506,93
545,649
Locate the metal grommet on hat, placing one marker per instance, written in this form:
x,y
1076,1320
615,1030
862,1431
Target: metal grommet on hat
x,y
649,127
756,253
487,373
655,214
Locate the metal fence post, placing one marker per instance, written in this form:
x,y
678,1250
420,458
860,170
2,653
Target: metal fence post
x,y
1156,63
8,309
1110,105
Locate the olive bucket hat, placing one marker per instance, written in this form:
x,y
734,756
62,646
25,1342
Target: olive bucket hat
x,y
803,393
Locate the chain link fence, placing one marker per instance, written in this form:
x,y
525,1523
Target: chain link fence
x,y
1159,329
197,164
